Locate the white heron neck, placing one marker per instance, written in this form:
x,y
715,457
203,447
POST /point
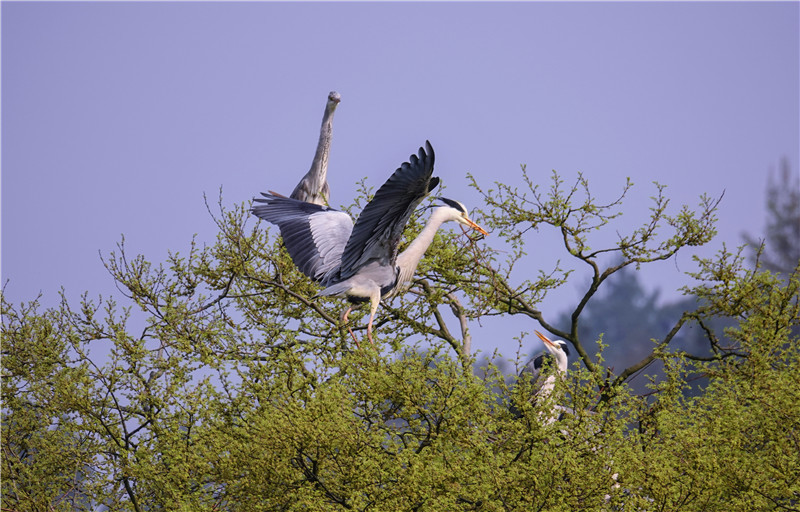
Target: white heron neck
x,y
425,237
409,259
561,362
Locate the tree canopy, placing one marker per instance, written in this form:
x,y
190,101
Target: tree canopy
x,y
216,382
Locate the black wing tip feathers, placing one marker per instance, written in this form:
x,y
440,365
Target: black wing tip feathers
x,y
428,149
426,153
424,159
268,196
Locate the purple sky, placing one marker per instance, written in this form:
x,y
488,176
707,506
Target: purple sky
x,y
117,117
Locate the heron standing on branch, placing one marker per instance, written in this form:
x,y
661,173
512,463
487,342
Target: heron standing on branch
x,y
313,188
542,383
360,261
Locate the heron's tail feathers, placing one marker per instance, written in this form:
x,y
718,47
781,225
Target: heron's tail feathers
x,y
334,289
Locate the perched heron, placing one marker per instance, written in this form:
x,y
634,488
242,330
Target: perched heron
x,y
360,261
313,188
408,260
542,384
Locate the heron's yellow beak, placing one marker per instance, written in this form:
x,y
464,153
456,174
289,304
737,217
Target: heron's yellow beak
x,y
544,338
477,227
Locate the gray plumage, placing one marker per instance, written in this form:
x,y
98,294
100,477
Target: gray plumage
x,y
314,235
542,384
313,188
357,261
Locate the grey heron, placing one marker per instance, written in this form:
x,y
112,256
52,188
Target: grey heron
x,y
313,188
360,261
542,383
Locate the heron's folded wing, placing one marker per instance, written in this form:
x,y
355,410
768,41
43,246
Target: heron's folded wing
x,y
314,235
378,229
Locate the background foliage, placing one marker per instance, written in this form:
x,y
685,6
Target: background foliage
x,y
219,384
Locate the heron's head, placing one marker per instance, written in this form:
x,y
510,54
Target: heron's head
x,y
458,212
555,347
334,98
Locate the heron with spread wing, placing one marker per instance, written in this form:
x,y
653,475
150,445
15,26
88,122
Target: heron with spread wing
x,y
360,261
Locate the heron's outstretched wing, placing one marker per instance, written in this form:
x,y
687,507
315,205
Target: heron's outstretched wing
x,y
378,229
314,235
313,187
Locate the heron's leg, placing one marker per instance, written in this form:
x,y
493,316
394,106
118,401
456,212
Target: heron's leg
x,y
358,345
346,312
344,321
374,302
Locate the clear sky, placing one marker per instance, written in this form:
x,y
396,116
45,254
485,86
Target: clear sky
x,y
117,117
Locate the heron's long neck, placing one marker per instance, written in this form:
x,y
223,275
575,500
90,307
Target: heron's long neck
x,y
561,361
320,163
410,258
